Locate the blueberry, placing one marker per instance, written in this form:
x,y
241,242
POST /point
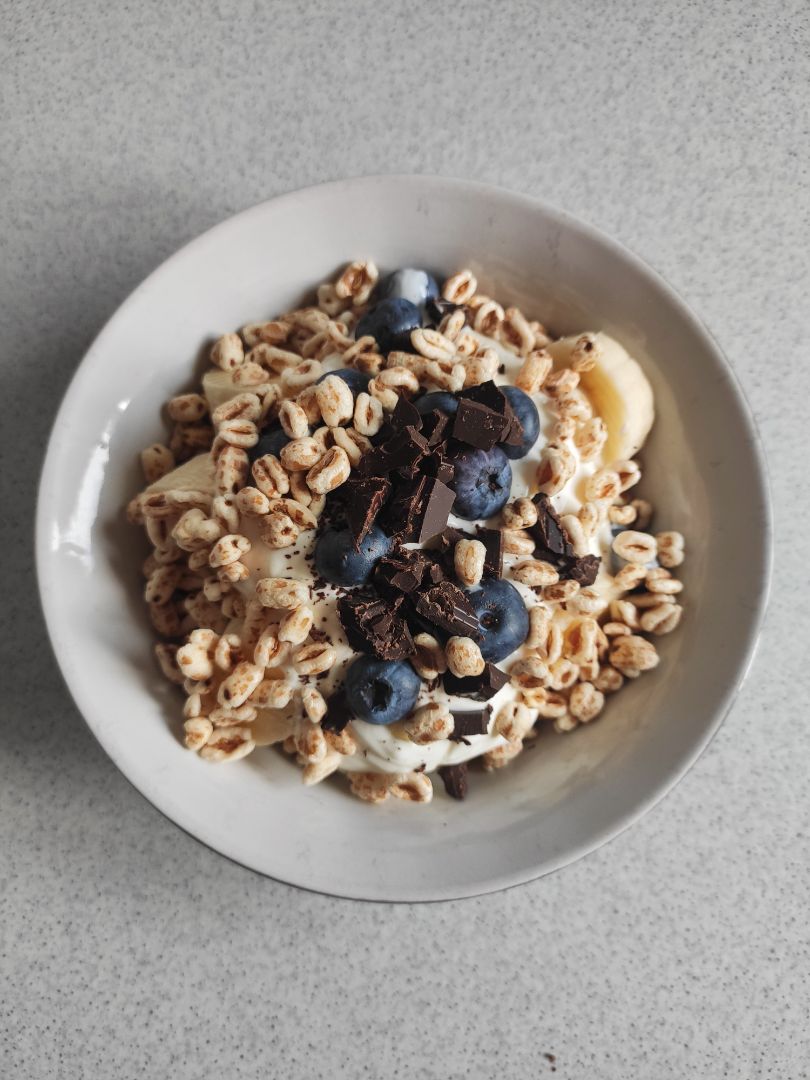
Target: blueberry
x,y
482,482
270,441
390,324
338,562
502,617
437,399
356,381
418,286
381,691
526,411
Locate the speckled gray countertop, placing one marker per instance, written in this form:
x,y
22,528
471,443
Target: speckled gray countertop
x,y
681,949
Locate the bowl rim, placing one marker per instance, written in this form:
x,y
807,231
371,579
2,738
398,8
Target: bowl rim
x,y
86,372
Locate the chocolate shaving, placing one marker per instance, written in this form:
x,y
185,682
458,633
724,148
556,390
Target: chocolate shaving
x,y
454,778
337,712
481,687
470,722
447,607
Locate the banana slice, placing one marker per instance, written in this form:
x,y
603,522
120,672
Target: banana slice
x,y
619,392
274,725
218,386
197,474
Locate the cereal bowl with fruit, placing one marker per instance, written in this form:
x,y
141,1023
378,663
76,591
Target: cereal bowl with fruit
x,y
431,579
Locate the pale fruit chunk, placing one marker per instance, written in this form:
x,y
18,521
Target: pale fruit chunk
x,y
197,474
619,392
274,725
218,386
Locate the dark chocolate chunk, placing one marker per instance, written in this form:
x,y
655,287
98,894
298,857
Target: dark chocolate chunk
x,y
363,499
337,712
435,426
435,509
551,537
402,451
447,541
403,570
470,722
481,687
445,471
405,415
454,778
477,425
401,516
449,537
447,607
489,394
435,573
376,626
583,570
492,539
406,450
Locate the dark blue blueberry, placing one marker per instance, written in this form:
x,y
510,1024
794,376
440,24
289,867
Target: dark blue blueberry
x,y
381,691
526,411
270,441
502,617
482,482
338,562
390,324
356,381
437,399
418,286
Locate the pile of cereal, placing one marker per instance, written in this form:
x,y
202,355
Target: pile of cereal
x,y
395,533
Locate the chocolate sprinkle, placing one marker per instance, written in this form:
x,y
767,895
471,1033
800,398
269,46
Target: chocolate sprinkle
x,y
454,778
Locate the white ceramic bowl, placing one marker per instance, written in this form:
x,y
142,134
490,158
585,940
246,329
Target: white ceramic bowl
x,y
703,468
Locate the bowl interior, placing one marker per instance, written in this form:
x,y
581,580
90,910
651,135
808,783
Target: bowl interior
x,y
702,470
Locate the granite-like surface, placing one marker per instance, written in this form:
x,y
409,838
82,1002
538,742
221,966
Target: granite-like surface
x,y
681,949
